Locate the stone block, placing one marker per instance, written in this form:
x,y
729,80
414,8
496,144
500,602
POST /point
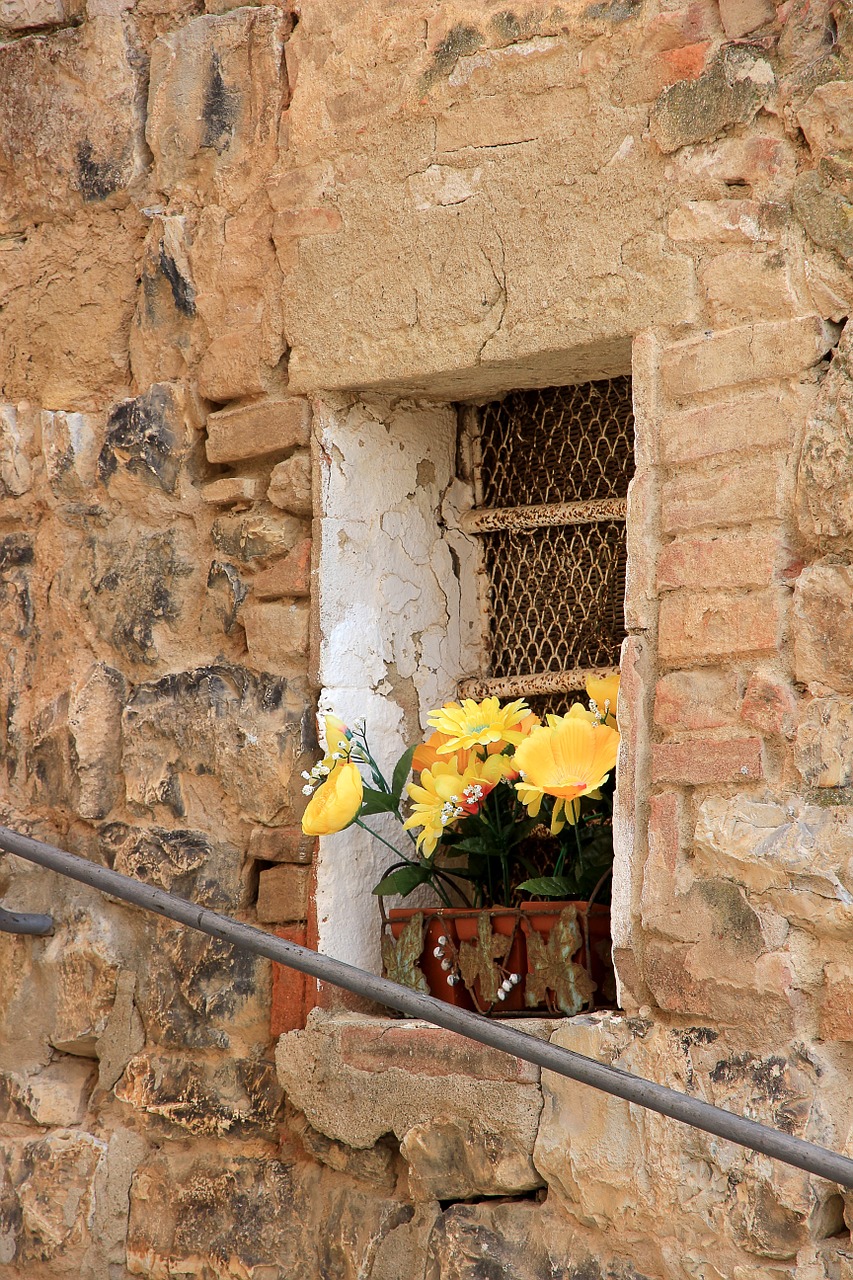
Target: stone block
x,y
258,430
734,493
730,92
70,446
232,1097
748,353
769,703
702,627
703,761
194,736
740,17
824,502
218,88
823,625
743,284
256,535
289,1004
754,160
30,15
276,633
281,844
182,861
46,1232
233,366
696,700
290,576
824,212
836,1008
58,1096
645,77
283,894
449,1161
718,563
71,125
764,421
149,438
94,721
15,469
826,118
424,1050
232,490
737,221
290,484
823,745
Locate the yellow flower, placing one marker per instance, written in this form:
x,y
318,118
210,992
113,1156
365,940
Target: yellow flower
x,y
479,724
444,794
426,754
605,694
337,736
335,803
567,759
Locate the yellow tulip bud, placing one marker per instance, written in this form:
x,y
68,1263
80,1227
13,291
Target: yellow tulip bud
x,y
335,802
605,694
336,735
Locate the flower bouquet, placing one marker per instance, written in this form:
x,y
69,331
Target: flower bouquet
x,y
502,810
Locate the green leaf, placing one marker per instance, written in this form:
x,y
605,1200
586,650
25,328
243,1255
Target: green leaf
x,y
548,886
377,802
403,881
402,769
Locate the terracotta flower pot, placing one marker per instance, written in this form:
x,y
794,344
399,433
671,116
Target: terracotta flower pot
x,y
482,959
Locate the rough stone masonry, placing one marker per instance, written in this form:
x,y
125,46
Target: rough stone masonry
x,y
224,231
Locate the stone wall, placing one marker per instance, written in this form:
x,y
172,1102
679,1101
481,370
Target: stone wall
x,y
232,241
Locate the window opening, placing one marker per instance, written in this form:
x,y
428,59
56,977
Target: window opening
x,y
551,470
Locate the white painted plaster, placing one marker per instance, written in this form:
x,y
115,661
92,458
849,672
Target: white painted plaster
x,y
398,627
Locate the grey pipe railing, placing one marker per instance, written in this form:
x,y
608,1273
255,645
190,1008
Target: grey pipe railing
x,y
565,1062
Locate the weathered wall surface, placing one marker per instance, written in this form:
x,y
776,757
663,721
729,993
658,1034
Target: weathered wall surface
x,y
219,228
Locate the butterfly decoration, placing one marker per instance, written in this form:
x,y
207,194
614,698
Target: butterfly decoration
x,y
551,968
476,960
400,958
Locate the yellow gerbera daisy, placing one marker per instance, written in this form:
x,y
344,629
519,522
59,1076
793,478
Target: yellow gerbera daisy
x,y
479,724
444,794
567,759
335,802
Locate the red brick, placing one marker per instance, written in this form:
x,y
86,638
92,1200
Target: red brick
x,y
696,700
671,31
769,704
288,577
745,561
766,421
694,627
664,828
747,353
428,1051
737,493
289,1007
702,761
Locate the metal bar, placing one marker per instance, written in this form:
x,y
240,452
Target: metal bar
x,y
565,1062
26,922
543,515
525,686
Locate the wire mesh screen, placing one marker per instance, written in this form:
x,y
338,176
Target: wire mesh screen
x,y
561,444
556,597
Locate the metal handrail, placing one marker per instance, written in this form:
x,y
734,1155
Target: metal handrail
x,y
565,1062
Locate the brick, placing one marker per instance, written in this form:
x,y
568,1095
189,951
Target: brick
x,y
665,828
766,421
739,17
703,761
288,577
428,1051
276,633
695,627
283,894
729,494
281,844
752,160
289,1003
257,430
231,489
232,366
747,353
742,284
769,704
696,700
740,221
746,561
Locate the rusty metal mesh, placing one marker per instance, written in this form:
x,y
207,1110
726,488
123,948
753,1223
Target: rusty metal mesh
x,y
560,444
556,597
556,594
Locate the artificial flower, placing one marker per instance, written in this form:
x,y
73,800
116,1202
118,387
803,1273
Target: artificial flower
x,y
479,724
604,692
567,759
445,794
338,737
427,754
336,801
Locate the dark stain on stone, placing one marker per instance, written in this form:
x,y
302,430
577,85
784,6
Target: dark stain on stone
x,y
16,606
768,1076
216,686
183,292
15,551
738,923
96,179
131,591
616,11
141,435
692,111
228,591
587,1270
219,110
460,41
